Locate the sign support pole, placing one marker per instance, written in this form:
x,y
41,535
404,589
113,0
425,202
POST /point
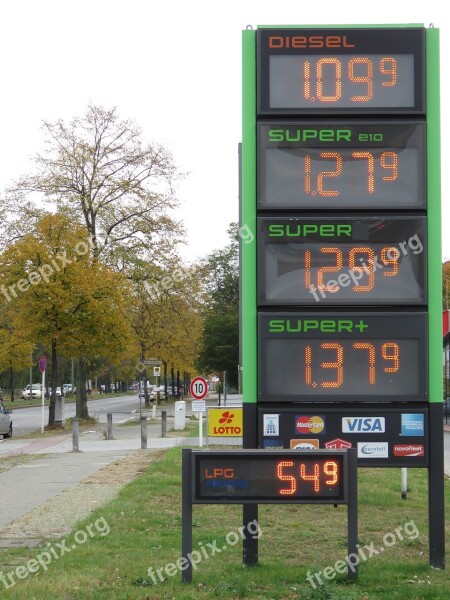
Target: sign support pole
x,y
43,400
352,508
186,513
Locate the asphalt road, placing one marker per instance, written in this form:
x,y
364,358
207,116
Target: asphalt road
x,y
27,420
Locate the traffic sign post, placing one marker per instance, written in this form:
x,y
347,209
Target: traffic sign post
x,y
42,367
341,283
198,390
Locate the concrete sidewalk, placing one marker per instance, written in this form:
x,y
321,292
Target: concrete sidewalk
x,y
34,481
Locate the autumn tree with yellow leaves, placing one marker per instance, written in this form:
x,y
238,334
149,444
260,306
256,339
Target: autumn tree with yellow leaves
x,y
54,294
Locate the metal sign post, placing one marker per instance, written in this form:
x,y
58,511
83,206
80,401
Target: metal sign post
x,y
42,367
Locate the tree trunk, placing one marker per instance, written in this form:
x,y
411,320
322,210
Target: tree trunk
x,y
144,376
146,396
165,379
172,376
51,406
178,383
11,382
82,409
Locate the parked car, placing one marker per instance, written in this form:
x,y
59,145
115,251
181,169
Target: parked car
x,y
5,421
447,407
68,388
161,391
35,391
149,390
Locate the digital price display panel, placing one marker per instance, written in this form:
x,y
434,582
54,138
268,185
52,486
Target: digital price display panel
x,y
351,261
340,71
270,477
361,165
335,357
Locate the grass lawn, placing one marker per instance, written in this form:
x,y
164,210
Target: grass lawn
x,y
70,399
145,531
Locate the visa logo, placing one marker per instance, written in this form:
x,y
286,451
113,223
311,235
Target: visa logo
x,y
363,425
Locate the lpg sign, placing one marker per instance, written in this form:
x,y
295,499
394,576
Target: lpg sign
x,y
225,422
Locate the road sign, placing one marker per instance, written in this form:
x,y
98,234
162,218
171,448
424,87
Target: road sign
x,y
198,388
198,406
42,364
156,371
152,362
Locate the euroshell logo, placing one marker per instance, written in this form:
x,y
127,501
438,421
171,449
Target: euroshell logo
x,y
413,424
373,449
305,424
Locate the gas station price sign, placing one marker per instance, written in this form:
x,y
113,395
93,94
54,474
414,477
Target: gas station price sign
x,y
352,260
262,476
350,165
340,71
324,357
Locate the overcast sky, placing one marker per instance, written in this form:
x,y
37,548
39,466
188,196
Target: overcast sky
x,y
175,68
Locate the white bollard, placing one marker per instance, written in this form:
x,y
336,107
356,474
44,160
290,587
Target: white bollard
x,y
180,414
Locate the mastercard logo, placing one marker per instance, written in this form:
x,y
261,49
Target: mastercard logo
x,y
305,424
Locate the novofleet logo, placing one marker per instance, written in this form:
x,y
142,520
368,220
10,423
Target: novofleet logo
x,y
409,450
306,424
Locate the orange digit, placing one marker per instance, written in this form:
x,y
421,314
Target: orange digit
x,y
314,477
370,169
307,174
394,356
293,485
308,269
324,174
337,79
338,364
392,71
308,361
390,256
320,273
367,79
331,469
393,165
367,268
371,349
306,84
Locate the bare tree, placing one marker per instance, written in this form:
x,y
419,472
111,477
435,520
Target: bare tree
x,y
97,170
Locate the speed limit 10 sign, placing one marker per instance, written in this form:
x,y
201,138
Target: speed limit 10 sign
x,y
198,388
